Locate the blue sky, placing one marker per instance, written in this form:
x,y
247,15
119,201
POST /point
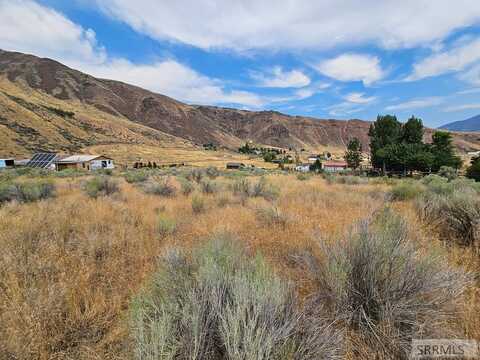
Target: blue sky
x,y
320,58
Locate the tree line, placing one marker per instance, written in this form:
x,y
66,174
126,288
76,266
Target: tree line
x,y
397,147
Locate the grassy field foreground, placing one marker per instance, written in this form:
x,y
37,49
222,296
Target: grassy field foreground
x,y
84,271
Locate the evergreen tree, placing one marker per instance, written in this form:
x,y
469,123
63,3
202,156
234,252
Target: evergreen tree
x,y
386,130
444,151
353,155
473,171
412,131
316,166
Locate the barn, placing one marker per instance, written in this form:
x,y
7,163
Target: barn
x,y
85,162
334,166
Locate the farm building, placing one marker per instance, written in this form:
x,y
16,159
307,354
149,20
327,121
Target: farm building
x,y
302,168
334,166
235,166
87,162
7,163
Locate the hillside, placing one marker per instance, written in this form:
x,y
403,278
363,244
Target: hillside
x,y
471,124
45,105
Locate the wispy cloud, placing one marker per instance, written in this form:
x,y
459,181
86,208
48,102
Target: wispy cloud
x,y
359,98
416,103
278,78
462,107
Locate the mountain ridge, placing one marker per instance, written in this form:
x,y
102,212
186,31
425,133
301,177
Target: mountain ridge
x,y
149,117
470,124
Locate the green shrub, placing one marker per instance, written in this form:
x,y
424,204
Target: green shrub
x,y
137,176
212,172
303,177
186,186
455,214
219,304
195,175
100,186
406,190
165,226
385,288
161,187
198,204
105,172
448,172
69,173
209,187
271,216
28,191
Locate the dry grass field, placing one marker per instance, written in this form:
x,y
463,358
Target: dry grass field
x,y
71,264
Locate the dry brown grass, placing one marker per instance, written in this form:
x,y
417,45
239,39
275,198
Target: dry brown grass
x,y
69,266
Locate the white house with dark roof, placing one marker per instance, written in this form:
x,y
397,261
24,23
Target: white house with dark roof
x,y
86,162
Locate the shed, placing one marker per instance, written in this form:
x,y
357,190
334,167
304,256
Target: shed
x,y
334,166
6,163
87,162
236,166
302,168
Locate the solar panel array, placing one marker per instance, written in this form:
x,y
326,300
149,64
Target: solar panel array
x,y
41,160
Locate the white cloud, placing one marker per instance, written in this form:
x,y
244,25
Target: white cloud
x,y
352,67
288,24
469,91
417,103
278,78
174,79
359,98
462,107
471,76
343,109
457,58
26,26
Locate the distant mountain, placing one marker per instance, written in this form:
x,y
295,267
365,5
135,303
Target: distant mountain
x,y
45,105
471,124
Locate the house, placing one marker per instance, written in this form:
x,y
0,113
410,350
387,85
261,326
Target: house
x,y
312,158
334,166
235,166
302,168
87,162
7,163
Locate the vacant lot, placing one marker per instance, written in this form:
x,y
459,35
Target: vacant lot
x,y
78,262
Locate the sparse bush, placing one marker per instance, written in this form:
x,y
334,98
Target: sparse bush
x,y
165,226
271,216
263,189
218,304
456,214
137,176
100,186
448,172
241,187
161,187
209,187
195,175
350,180
224,200
198,204
406,190
385,289
105,172
186,186
303,177
212,172
28,191
69,173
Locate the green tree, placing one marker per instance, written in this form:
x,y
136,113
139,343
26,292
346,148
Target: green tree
x,y
412,131
444,151
316,166
269,156
473,171
353,155
386,130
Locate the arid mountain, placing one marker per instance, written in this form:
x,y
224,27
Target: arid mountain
x,y
471,124
46,105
